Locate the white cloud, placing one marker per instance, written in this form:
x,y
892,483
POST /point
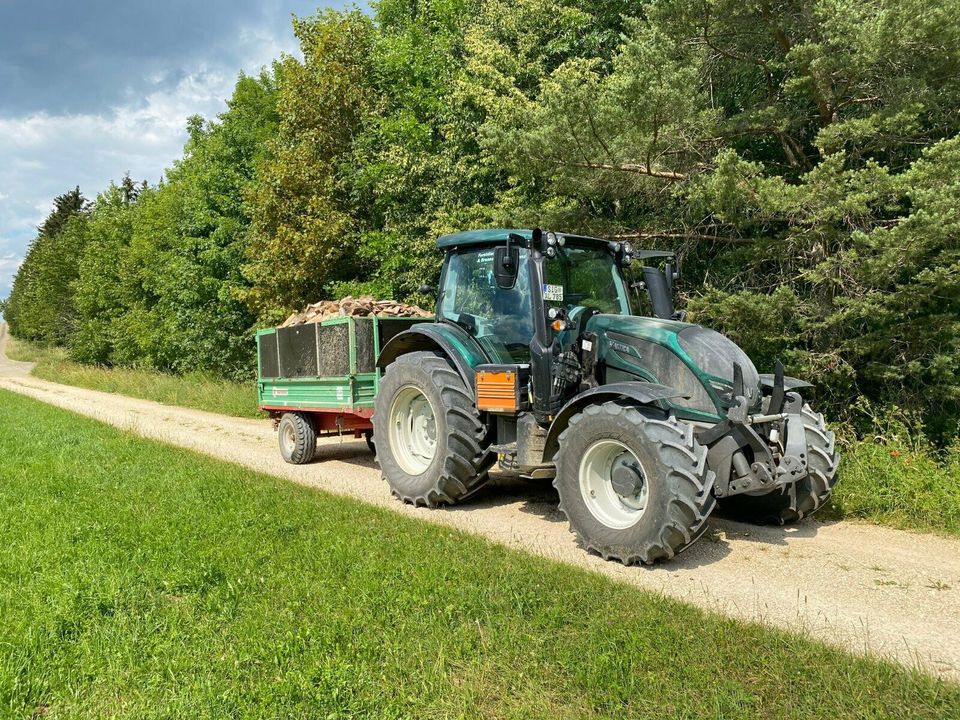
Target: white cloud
x,y
43,155
10,262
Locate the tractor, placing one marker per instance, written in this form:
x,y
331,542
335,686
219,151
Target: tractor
x,y
537,365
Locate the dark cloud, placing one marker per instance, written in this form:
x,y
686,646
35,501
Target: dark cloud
x,y
89,55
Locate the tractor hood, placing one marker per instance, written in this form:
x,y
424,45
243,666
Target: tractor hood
x,y
693,359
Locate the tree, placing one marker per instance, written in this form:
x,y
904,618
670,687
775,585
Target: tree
x,y
108,297
40,306
189,239
302,235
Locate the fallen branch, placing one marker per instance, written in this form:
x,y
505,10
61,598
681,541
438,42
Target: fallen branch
x,y
683,236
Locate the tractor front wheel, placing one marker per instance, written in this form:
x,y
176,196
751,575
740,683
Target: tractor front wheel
x,y
634,486
790,503
427,433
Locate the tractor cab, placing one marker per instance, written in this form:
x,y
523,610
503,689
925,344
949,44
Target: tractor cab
x,y
494,292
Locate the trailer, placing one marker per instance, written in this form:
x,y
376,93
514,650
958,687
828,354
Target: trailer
x,y
321,378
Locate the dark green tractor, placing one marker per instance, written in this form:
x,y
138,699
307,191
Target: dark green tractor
x,y
537,363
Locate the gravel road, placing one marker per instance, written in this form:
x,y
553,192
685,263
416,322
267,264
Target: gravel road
x,y
865,588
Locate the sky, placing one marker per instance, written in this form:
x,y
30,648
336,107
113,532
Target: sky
x,y
91,90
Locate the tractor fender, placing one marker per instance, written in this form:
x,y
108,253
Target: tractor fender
x,y
450,340
767,381
643,393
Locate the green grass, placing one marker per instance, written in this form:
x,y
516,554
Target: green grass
x,y
899,481
139,580
192,390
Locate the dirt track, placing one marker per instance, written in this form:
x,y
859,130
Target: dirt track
x,y
865,588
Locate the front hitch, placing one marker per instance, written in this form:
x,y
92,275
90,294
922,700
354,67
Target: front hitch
x,y
751,452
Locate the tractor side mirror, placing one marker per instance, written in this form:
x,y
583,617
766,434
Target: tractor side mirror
x,y
671,274
428,290
506,266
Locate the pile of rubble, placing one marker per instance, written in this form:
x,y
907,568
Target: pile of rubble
x,y
354,307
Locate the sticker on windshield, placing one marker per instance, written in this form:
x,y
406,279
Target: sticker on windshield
x,y
553,293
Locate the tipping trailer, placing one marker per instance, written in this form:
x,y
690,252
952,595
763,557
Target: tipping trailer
x,y
321,378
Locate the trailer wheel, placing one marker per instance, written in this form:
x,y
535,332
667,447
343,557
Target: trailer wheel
x,y
635,487
803,498
427,433
298,438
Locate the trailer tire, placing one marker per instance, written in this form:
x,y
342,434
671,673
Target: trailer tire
x,y
803,498
297,437
634,484
427,434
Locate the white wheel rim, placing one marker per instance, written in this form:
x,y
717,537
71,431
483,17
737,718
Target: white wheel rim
x,y
596,485
288,438
413,430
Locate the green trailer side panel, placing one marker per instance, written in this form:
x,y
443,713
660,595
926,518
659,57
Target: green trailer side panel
x,y
348,393
353,391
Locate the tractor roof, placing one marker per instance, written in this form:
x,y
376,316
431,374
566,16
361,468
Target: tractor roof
x,y
496,235
479,237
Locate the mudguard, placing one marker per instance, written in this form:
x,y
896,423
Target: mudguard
x,y
454,342
643,393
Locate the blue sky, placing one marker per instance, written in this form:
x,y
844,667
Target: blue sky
x,y
90,90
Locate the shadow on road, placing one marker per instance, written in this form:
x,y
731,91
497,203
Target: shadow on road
x,y
538,498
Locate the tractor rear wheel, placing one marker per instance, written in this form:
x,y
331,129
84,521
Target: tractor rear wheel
x,y
298,438
791,503
634,486
427,433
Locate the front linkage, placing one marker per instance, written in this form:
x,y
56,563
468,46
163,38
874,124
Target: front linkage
x,y
777,465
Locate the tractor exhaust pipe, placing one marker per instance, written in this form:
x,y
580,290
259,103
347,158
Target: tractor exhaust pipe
x,y
658,289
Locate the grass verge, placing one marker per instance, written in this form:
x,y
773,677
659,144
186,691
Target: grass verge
x,y
899,481
192,390
142,580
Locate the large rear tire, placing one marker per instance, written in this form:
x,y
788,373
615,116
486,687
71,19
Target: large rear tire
x,y
427,433
635,487
791,503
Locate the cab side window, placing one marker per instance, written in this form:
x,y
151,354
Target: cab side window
x,y
500,319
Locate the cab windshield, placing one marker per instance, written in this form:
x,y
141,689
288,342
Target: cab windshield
x,y
589,278
501,320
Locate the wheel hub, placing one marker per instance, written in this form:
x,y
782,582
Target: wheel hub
x,y
413,431
627,480
289,439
